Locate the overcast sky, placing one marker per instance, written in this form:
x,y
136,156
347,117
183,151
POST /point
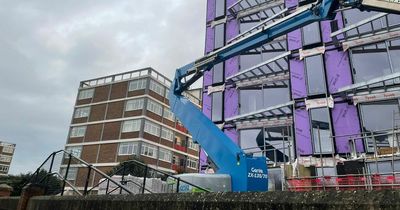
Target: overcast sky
x,y
47,47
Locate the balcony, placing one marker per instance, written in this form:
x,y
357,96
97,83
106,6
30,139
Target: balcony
x,y
180,148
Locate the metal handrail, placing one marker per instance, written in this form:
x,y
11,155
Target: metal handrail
x,y
89,166
167,174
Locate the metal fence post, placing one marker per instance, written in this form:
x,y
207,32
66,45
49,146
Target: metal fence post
x,y
375,152
52,162
66,174
87,179
122,178
177,185
108,185
320,156
50,170
144,179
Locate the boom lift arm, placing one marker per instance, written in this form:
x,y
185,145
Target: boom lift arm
x,y
247,173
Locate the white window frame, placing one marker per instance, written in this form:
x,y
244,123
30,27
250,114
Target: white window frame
x,y
8,149
131,126
78,131
85,94
82,112
4,168
148,150
192,145
167,134
5,158
128,148
74,150
157,88
139,84
168,114
72,172
152,128
134,104
154,107
191,163
165,155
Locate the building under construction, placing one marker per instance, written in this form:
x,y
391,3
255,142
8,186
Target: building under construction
x,y
322,102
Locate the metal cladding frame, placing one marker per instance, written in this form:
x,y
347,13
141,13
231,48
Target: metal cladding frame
x,y
247,173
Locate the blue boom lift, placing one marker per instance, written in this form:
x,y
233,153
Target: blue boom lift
x,y
248,173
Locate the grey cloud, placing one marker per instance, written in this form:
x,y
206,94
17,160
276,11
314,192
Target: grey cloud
x,y
47,47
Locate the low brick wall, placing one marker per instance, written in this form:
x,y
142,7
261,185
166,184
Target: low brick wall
x,y
266,200
8,203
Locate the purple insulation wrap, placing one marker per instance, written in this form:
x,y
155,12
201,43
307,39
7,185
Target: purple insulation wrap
x,y
345,117
297,78
231,95
291,3
302,132
294,40
326,28
203,160
231,98
338,70
207,105
346,122
232,134
210,10
207,78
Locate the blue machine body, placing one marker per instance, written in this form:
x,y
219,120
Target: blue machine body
x,y
247,173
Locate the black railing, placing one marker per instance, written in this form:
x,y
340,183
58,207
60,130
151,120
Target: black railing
x,y
134,177
45,173
137,169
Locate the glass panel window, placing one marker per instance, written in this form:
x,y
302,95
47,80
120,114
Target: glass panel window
x,y
168,114
218,73
378,117
167,134
4,168
367,66
219,36
191,163
82,112
128,148
131,126
354,16
321,131
75,151
253,100
328,171
137,84
165,155
248,61
311,34
149,150
249,143
78,131
156,87
152,128
192,145
219,8
315,75
84,94
8,149
217,106
394,57
135,104
5,158
154,107
71,173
